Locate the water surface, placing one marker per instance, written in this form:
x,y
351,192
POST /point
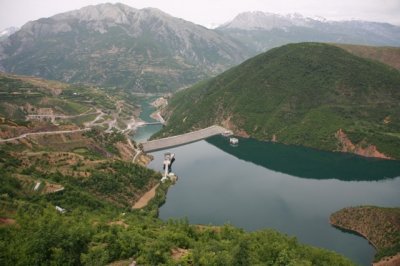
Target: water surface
x,y
291,189
142,134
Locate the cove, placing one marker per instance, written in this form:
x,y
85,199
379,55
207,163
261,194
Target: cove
x,y
291,189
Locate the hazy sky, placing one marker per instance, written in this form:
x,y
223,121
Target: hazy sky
x,y
209,12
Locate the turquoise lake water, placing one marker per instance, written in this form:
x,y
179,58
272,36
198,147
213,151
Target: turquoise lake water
x,y
268,185
144,133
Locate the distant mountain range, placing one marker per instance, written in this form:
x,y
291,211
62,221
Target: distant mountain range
x,y
148,50
308,94
116,45
261,31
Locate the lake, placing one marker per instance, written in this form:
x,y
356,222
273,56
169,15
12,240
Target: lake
x,y
269,185
144,133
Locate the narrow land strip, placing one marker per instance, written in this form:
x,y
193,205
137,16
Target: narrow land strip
x,y
380,226
145,199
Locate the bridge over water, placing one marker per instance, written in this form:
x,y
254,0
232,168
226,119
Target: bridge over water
x,y
164,143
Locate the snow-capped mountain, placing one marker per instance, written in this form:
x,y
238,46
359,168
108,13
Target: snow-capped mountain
x,y
7,32
261,31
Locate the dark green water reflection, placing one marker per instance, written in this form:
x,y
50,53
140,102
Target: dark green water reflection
x,y
310,163
291,189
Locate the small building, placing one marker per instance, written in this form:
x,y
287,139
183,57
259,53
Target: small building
x,y
169,158
227,133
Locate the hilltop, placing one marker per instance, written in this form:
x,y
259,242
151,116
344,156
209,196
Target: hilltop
x,y
309,94
115,45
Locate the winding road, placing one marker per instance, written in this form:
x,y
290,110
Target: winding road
x,y
44,133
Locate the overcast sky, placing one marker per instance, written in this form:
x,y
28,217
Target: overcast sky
x,y
211,12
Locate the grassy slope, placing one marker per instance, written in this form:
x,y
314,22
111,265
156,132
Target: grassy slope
x,y
303,94
386,55
381,226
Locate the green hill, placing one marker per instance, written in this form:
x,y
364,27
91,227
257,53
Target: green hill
x,y
300,94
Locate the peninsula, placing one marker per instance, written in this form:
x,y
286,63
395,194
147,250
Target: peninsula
x,y
380,226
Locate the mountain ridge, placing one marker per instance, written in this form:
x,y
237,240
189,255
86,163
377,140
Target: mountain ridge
x,y
261,31
252,20
147,50
116,45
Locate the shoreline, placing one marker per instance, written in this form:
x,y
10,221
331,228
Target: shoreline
x,y
354,232
385,261
388,261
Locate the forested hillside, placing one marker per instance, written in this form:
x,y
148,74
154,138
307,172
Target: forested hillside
x,y
310,94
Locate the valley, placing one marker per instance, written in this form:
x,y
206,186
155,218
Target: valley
x,y
129,136
73,193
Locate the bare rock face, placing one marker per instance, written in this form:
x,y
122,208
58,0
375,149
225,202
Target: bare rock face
x,y
348,146
116,45
117,13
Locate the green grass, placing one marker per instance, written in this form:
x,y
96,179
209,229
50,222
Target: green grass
x,y
82,150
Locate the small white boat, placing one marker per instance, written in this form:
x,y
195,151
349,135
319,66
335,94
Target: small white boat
x,y
233,141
